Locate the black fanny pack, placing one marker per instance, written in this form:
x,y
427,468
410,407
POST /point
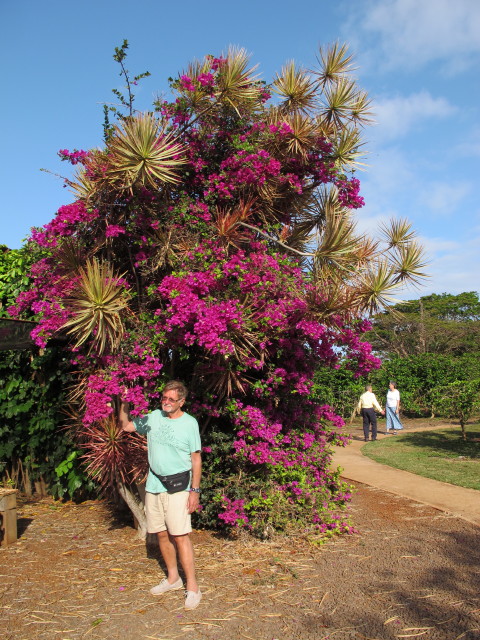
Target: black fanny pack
x,y
175,482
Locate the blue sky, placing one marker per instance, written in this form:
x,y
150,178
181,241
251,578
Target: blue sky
x,y
418,59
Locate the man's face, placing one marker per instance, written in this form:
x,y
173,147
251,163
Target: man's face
x,y
171,403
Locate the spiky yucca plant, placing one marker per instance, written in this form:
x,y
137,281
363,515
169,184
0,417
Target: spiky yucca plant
x,y
296,88
96,306
141,152
111,456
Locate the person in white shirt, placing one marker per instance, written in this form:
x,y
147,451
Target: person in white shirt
x,y
366,407
393,409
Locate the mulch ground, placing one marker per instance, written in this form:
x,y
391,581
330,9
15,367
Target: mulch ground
x,y
410,572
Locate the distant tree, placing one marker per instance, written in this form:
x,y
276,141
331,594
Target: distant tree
x,y
458,400
417,377
444,324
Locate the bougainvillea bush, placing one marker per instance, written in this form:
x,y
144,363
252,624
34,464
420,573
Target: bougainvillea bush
x,y
213,240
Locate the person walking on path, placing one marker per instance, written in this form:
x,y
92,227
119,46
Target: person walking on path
x,y
366,407
392,409
174,449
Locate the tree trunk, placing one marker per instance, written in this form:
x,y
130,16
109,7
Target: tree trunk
x,y
422,332
464,433
136,507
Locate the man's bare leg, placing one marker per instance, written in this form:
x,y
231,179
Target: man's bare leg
x,y
185,554
167,548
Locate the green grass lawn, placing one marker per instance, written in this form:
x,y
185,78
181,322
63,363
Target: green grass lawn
x,y
440,454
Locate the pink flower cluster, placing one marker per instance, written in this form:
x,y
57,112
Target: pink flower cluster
x,y
348,193
233,513
74,157
197,318
65,224
241,170
114,230
132,381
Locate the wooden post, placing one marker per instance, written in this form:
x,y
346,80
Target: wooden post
x,y
8,516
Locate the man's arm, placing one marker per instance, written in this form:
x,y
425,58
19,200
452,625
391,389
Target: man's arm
x,y
359,405
124,420
194,498
376,405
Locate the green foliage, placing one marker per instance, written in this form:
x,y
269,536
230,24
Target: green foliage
x,y
428,345
338,388
124,101
268,509
458,400
14,265
71,478
32,395
437,454
443,324
418,376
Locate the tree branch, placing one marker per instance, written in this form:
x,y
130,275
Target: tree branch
x,y
265,235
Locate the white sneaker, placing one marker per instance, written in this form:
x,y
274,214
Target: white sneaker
x,y
192,599
165,586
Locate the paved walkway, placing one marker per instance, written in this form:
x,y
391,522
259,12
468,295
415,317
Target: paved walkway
x,y
460,502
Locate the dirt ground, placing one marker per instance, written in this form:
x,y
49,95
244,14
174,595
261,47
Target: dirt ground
x,y
411,571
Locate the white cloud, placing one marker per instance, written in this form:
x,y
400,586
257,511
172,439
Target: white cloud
x,y
444,198
452,269
397,116
371,224
388,172
470,146
439,245
415,32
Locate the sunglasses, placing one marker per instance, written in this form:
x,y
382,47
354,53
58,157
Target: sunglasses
x,y
168,399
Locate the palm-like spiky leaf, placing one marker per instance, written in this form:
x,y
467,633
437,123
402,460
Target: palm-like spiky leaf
x,y
226,222
323,204
409,263
236,81
82,186
304,135
143,153
339,101
165,253
361,109
111,455
70,255
331,298
377,285
296,88
346,149
334,63
90,179
199,98
397,232
338,246
97,304
221,379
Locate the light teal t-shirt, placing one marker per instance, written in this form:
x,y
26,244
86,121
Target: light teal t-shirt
x,y
170,443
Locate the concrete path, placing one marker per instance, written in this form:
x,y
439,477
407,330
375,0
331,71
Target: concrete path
x,y
458,501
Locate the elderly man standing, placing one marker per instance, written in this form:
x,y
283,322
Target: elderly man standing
x,y
366,407
173,485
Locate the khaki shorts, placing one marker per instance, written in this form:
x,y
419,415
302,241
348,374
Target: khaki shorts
x,y
168,512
